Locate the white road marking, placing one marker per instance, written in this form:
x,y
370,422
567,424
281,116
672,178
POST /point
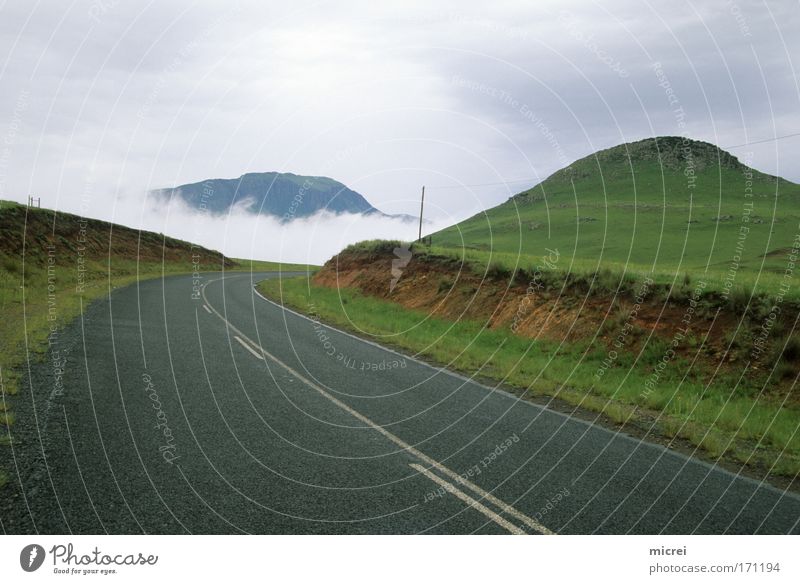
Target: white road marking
x,y
504,507
208,310
248,347
507,525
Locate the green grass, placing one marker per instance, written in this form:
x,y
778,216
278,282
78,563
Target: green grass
x,y
265,266
640,215
711,417
757,288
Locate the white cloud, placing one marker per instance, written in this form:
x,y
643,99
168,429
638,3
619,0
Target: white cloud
x,y
244,235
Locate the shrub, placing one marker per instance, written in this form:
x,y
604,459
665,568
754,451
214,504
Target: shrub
x,y
654,352
791,350
735,339
618,319
12,266
497,271
606,281
760,306
738,299
785,371
376,246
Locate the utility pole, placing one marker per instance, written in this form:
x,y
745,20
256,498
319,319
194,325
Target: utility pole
x,y
421,206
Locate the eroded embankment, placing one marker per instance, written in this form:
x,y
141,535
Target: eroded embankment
x,y
713,332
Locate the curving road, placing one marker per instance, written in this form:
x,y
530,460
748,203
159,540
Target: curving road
x,y
158,412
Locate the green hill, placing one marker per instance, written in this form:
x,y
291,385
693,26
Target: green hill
x,y
665,204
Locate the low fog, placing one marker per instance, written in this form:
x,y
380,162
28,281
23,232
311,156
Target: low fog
x,y
244,234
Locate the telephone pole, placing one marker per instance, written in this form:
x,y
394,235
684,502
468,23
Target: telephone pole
x,y
421,206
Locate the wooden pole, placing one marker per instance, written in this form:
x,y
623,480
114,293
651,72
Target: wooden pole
x,y
421,206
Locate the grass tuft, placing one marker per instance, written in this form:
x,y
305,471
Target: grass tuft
x,y
7,419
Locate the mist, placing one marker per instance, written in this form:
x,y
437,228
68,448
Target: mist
x,y
241,233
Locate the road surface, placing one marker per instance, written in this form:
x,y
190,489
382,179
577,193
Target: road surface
x,y
161,413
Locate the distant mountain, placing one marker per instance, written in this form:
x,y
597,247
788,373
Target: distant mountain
x,y
286,196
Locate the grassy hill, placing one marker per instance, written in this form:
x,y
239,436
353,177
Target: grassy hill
x,y
659,205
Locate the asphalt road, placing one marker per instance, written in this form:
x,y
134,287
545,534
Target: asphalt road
x,y
228,414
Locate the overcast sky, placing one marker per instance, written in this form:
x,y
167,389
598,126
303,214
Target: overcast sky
x,y
100,101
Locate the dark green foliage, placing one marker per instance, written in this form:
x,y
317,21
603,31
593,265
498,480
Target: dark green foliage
x,y
282,195
497,271
12,266
791,350
376,247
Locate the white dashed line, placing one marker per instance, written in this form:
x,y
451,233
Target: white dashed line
x,y
248,347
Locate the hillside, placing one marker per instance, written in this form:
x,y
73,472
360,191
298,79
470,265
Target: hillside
x,y
51,263
656,204
26,233
283,195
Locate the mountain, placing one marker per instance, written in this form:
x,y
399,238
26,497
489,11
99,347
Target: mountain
x,y
662,203
284,195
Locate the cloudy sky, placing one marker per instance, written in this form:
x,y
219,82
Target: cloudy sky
x,y
102,100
